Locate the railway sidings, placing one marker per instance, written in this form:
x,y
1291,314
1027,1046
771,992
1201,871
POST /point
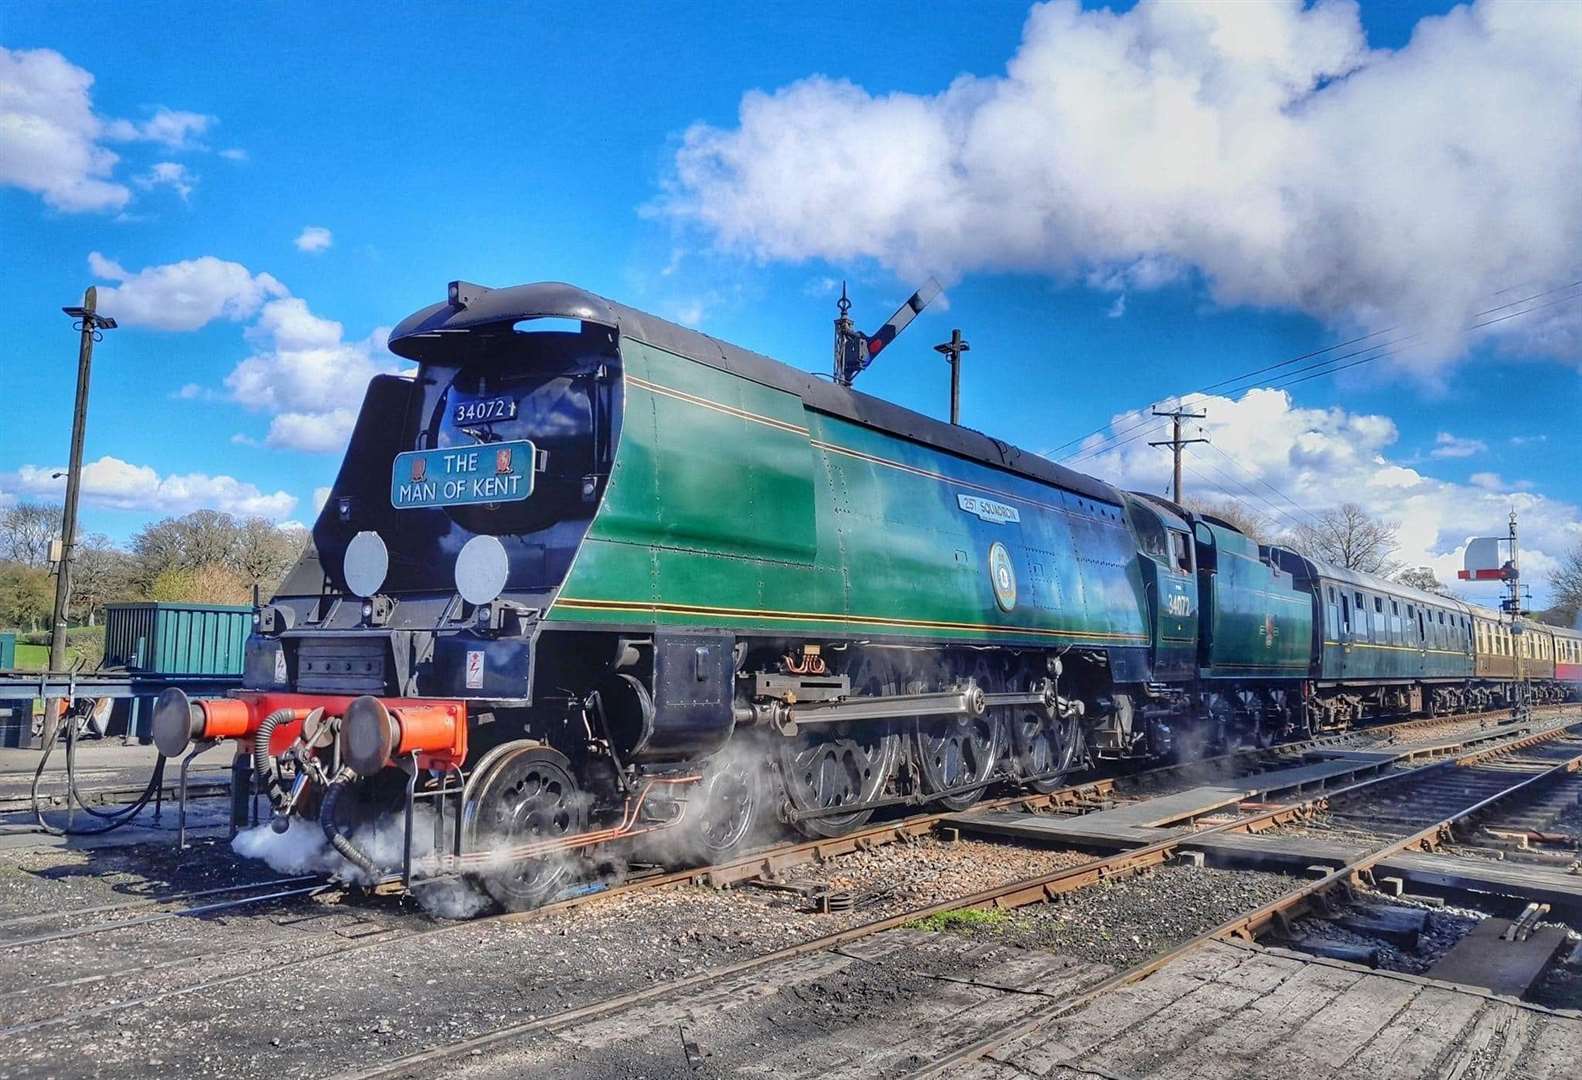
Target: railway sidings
x,y
943,943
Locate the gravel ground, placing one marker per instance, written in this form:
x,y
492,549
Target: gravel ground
x,y
906,876
1124,922
60,879
1561,987
295,1015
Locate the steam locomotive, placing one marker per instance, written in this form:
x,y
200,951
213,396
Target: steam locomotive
x,y
590,580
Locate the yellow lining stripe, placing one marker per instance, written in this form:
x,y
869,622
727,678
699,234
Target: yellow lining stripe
x,y
812,616
729,410
1396,648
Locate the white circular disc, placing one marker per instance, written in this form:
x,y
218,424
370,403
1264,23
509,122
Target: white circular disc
x,y
481,569
367,563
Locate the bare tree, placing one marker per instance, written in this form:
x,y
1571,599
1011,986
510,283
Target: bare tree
x,y
101,574
264,551
26,530
254,550
1424,578
1347,537
1567,584
1249,521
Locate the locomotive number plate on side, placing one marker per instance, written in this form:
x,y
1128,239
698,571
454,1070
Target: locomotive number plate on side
x,y
462,475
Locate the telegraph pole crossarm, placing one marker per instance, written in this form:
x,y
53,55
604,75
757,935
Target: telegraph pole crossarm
x,y
1176,442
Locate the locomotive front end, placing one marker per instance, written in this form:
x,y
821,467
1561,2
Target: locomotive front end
x,y
392,678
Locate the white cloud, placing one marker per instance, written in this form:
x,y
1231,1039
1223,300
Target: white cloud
x,y
49,134
1263,146
171,174
234,153
307,375
171,128
52,141
1447,445
1493,481
121,485
321,495
314,239
302,371
1288,461
182,295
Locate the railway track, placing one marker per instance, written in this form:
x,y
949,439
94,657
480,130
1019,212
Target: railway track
x,y
269,892
770,862
1037,890
1247,925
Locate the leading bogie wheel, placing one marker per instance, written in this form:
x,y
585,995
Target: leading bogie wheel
x,y
523,793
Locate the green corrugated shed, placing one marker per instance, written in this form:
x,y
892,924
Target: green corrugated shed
x,y
7,651
177,639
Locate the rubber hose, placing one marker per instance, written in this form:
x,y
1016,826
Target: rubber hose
x,y
352,853
125,813
263,761
116,818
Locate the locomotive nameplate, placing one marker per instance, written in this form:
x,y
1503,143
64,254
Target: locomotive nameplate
x,y
996,513
462,475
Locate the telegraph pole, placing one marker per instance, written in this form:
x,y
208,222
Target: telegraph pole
x,y
952,351
1176,442
91,325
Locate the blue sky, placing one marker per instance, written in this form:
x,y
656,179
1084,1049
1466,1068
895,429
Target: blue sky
x,y
504,145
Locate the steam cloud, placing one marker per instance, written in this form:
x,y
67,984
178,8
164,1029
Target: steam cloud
x,y
1265,147
302,849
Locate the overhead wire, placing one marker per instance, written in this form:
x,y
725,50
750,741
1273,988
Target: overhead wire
x,y
1387,348
1225,478
1328,366
1239,467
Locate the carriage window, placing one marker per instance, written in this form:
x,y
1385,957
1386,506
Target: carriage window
x,y
1345,614
1179,551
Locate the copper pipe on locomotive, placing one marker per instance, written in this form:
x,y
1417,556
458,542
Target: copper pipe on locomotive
x,y
625,829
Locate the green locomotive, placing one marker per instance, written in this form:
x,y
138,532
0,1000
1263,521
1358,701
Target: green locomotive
x,y
590,579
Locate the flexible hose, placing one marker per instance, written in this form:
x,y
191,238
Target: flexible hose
x,y
350,851
115,818
263,761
